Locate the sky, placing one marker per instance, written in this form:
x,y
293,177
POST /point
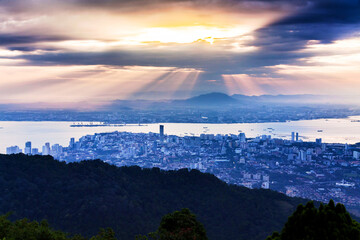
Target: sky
x,y
71,53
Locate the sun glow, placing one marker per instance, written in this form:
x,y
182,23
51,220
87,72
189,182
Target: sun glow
x,y
165,49
96,83
187,34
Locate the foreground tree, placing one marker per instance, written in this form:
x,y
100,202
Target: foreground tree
x,y
179,225
105,234
329,222
25,229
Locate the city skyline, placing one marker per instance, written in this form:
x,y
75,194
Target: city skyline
x,y
284,165
83,52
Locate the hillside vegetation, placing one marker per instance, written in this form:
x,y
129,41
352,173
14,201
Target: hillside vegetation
x,y
326,222
84,197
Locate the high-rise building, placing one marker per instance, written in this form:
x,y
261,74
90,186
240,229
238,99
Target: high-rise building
x,y
27,149
72,143
56,149
302,155
297,137
356,155
161,132
293,136
35,151
13,150
242,137
323,147
318,141
46,149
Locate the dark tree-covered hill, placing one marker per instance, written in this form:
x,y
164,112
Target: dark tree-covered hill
x,y
84,197
327,222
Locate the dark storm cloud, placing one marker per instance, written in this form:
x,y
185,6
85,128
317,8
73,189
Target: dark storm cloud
x,y
280,42
215,63
325,21
328,12
135,5
248,6
13,39
204,3
290,38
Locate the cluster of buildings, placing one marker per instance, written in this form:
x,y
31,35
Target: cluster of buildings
x,y
54,150
313,170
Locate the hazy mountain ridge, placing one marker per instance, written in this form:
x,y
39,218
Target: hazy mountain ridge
x,y
218,99
208,100
211,99
82,197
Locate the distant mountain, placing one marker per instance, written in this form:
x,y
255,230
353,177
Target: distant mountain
x,y
83,197
211,99
283,99
216,100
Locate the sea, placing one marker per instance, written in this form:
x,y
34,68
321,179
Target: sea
x,y
343,130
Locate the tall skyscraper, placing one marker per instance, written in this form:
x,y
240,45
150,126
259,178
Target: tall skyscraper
x,y
292,136
72,143
302,155
46,149
242,137
297,137
27,149
161,132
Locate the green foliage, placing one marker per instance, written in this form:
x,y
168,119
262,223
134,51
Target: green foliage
x,y
150,236
179,225
329,222
105,234
86,196
24,229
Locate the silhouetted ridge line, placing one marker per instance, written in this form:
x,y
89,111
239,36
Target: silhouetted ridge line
x,y
86,196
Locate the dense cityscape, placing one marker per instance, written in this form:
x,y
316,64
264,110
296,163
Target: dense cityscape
x,y
312,170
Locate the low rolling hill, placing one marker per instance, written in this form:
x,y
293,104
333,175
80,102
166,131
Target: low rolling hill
x,y
83,197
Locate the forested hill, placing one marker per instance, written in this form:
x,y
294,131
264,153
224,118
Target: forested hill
x,y
83,197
